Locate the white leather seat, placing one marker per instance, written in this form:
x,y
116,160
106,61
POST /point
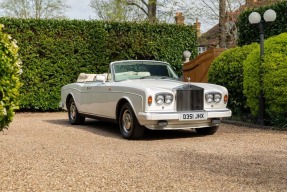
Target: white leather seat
x,y
144,74
83,77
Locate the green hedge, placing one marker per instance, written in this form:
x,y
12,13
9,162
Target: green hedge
x,y
250,33
227,70
54,52
274,76
9,78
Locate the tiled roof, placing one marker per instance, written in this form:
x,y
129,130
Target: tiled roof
x,y
211,37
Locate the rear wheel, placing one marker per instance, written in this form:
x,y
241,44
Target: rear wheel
x,y
207,130
129,125
74,117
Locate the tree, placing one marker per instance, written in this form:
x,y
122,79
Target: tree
x,y
222,14
149,8
38,9
139,10
210,9
115,10
164,10
125,10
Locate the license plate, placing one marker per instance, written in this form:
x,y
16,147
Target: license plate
x,y
193,116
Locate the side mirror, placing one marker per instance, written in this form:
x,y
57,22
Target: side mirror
x,y
101,78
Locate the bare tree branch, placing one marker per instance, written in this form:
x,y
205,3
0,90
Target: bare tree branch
x,y
145,3
38,9
211,8
138,6
116,10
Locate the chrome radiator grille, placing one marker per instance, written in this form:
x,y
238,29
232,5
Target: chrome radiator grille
x,y
189,97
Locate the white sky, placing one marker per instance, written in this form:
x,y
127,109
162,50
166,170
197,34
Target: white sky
x,y
80,10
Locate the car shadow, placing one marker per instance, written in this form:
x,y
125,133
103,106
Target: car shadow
x,y
169,134
112,130
94,126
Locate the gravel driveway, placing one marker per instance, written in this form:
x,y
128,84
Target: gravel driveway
x,y
43,152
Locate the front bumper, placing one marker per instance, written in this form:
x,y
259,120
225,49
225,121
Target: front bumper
x,y
151,119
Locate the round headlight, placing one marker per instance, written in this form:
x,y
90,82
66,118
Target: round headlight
x,y
217,97
209,97
168,99
159,99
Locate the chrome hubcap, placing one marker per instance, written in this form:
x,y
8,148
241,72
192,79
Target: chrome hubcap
x,y
127,121
73,111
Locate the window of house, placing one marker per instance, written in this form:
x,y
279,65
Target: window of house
x,y
201,49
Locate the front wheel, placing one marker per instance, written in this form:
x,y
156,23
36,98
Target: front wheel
x,y
207,130
129,125
74,117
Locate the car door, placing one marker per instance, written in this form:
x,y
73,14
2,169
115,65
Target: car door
x,y
95,98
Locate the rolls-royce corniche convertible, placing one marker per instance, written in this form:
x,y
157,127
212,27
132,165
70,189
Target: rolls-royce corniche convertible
x,y
142,94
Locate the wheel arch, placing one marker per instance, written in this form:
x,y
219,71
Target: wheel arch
x,y
68,98
120,103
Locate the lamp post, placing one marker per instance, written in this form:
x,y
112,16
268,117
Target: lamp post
x,y
255,18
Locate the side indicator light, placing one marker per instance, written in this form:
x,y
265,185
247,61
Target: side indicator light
x,y
225,99
149,100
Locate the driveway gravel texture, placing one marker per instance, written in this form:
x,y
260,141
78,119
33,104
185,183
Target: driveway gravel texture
x,y
43,152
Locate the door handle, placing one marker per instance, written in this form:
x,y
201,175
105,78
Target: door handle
x,y
89,88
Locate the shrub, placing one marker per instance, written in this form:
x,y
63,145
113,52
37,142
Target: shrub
x,y
227,70
274,76
9,78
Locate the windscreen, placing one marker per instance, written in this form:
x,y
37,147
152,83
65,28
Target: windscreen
x,y
142,70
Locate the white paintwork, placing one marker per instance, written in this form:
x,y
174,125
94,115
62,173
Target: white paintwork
x,y
100,98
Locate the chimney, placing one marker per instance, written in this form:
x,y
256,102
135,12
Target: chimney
x,y
179,18
197,26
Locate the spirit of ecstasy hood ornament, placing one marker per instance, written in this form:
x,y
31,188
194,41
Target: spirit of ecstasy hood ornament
x,y
188,79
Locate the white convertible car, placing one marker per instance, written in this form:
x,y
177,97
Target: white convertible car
x,y
140,94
